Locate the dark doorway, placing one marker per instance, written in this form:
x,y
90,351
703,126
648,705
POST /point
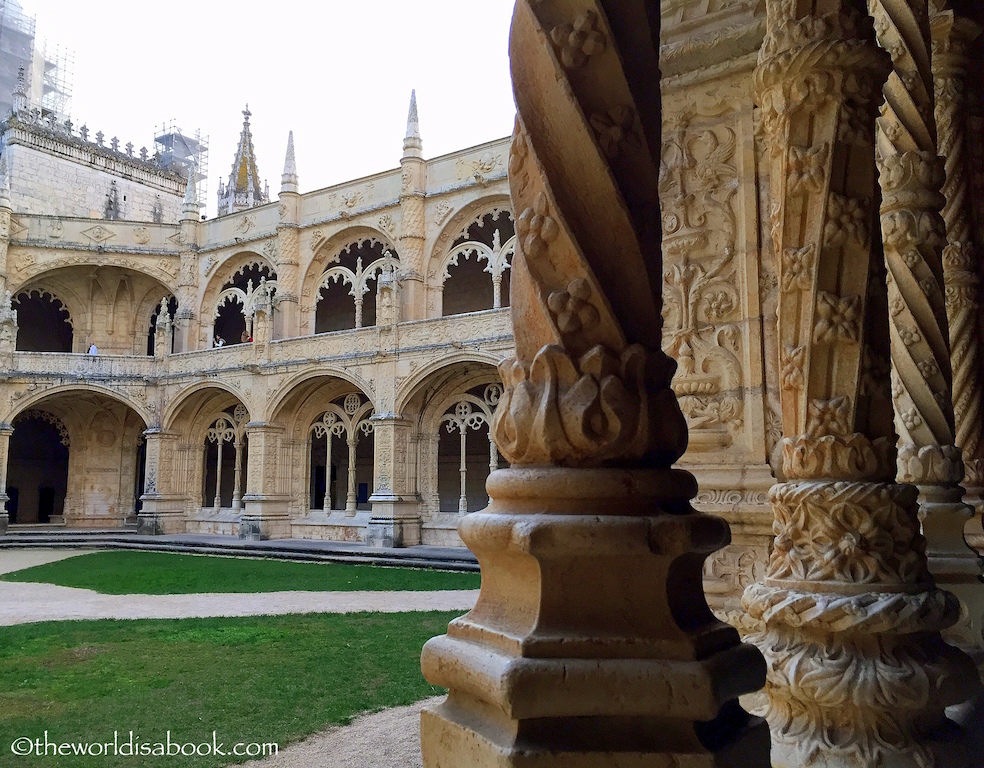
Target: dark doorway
x,y
43,323
46,504
38,467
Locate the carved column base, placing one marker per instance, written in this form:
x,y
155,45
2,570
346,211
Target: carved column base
x,y
591,643
4,517
395,521
955,567
740,497
161,516
974,496
265,518
858,672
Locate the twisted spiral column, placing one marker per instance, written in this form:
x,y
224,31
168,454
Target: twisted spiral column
x,y
914,233
952,39
591,643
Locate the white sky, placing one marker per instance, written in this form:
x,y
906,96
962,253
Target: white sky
x,y
336,72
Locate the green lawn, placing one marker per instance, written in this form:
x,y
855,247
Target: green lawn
x,y
155,573
267,679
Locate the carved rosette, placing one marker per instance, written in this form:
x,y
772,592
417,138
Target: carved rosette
x,y
591,623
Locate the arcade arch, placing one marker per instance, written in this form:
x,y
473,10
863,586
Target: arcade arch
x,y
454,407
330,442
75,456
346,291
475,270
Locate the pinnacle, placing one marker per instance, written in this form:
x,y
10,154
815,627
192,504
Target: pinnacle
x,y
288,182
412,145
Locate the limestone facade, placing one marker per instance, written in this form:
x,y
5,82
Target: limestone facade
x,y
342,403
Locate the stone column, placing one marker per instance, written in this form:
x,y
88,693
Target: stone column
x,y
350,495
162,331
163,502
911,176
5,432
591,643
8,331
186,331
267,511
217,502
287,317
858,674
237,483
428,460
5,213
395,520
974,96
413,229
958,572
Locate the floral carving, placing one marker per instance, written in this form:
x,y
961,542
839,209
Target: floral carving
x,y
559,410
807,168
572,309
537,228
613,128
829,417
797,267
701,289
858,533
578,42
838,319
846,220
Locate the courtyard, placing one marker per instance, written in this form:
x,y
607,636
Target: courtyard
x,y
328,668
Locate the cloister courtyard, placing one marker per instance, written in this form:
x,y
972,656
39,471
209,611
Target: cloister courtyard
x,y
260,651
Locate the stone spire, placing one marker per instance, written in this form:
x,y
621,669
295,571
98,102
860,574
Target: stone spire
x,y
191,207
412,145
288,182
19,100
244,189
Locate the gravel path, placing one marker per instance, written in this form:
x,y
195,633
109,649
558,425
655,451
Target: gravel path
x,y
387,739
29,603
18,559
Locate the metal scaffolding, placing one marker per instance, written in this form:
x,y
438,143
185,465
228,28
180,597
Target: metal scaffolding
x,y
47,71
180,151
56,81
16,50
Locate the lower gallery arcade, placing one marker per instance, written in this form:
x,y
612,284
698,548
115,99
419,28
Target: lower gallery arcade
x,y
206,471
